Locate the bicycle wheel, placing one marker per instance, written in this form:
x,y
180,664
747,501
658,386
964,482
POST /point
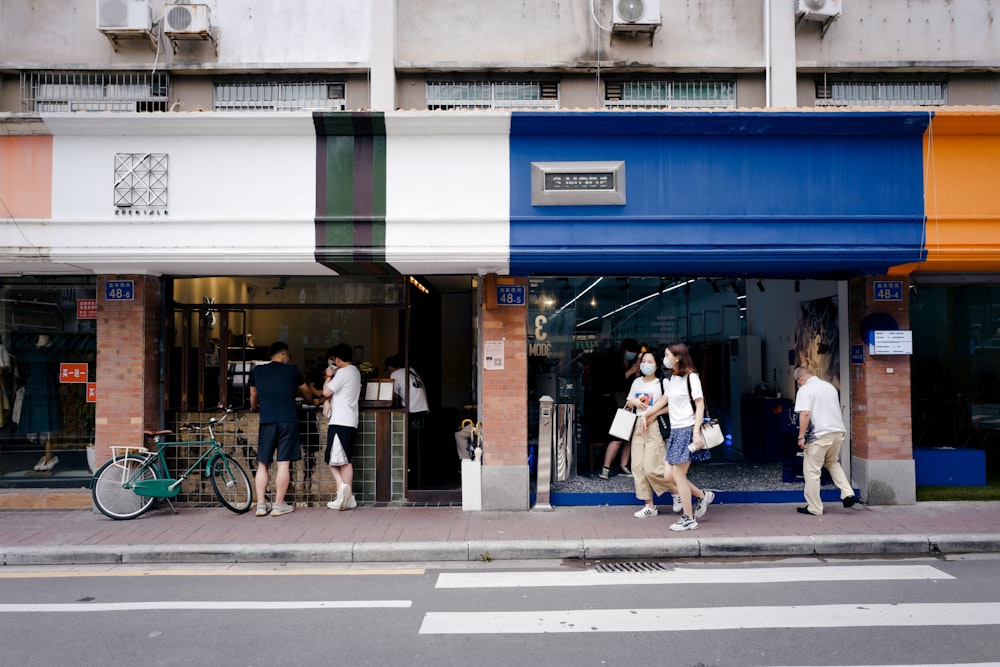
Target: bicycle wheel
x,y
231,484
110,495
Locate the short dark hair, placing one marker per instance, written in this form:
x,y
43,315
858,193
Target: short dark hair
x,y
276,347
630,345
343,351
395,361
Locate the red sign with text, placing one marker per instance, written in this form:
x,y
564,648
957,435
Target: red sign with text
x,y
73,373
86,309
92,392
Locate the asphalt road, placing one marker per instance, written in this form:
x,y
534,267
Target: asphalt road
x,y
804,611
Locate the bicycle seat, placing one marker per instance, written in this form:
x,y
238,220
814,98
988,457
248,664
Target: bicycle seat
x,y
153,434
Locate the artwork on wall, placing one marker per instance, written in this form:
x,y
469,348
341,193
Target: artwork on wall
x,y
817,338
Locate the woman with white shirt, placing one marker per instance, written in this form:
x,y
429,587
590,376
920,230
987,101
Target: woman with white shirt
x,y
648,448
685,410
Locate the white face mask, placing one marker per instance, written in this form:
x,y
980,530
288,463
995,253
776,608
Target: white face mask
x,y
668,363
647,368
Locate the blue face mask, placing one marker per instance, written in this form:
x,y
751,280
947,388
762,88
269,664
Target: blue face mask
x,y
630,356
647,368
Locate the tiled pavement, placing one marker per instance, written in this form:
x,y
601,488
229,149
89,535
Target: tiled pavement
x,y
449,533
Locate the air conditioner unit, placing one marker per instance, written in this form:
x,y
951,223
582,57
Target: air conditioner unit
x,y
186,19
636,12
124,15
817,10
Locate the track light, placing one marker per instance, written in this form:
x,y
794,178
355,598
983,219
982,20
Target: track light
x,y
760,286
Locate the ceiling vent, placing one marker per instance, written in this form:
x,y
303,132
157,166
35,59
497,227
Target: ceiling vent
x,y
631,17
124,15
189,22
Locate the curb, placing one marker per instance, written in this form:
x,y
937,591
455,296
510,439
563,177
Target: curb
x,y
483,550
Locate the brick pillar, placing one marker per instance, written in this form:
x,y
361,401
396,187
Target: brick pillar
x,y
128,367
881,420
504,405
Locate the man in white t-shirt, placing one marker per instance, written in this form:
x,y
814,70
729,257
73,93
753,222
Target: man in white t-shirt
x,y
413,397
821,433
417,399
342,388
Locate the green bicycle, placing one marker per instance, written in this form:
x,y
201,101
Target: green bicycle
x,y
127,485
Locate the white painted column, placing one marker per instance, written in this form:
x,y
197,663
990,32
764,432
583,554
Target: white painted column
x,y
779,56
382,67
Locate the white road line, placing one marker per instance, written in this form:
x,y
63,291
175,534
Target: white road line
x,y
710,618
689,576
251,605
217,572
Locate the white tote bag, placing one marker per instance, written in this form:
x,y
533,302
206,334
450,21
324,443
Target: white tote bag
x,y
623,425
711,434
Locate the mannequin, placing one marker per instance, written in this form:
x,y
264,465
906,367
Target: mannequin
x,y
40,411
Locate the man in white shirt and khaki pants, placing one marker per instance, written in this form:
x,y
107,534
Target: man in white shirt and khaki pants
x,y
818,407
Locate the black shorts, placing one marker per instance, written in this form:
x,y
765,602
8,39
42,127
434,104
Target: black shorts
x,y
346,434
282,437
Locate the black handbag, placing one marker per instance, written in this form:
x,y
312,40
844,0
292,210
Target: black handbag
x,y
663,420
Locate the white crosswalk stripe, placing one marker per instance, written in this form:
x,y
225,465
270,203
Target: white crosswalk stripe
x,y
690,576
711,618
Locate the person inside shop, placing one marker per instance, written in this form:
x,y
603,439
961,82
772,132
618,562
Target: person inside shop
x,y
273,389
40,412
627,372
417,406
343,389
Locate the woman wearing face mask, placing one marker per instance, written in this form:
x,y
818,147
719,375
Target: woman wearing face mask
x,y
683,433
648,448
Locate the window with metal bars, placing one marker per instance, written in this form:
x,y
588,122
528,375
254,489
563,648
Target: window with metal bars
x,y
880,93
94,91
492,95
667,94
279,96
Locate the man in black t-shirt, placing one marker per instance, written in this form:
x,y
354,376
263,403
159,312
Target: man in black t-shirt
x,y
273,387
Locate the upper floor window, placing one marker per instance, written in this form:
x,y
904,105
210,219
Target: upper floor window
x,y
94,91
279,96
880,93
492,95
669,94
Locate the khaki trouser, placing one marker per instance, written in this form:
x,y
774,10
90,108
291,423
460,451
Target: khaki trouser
x,y
823,452
649,454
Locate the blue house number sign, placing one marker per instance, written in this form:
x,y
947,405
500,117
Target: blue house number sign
x,y
119,290
510,295
888,290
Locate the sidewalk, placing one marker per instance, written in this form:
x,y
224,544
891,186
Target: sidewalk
x,y
368,534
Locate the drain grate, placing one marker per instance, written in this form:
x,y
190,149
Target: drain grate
x,y
631,567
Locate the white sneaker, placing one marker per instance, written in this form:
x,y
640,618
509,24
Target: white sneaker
x,y
646,511
703,504
338,502
351,503
678,505
684,523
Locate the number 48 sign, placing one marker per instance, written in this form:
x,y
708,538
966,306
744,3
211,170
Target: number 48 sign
x,y
119,290
888,290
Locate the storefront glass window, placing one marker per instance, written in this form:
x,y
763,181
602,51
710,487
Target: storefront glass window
x,y
48,369
576,326
221,327
955,368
